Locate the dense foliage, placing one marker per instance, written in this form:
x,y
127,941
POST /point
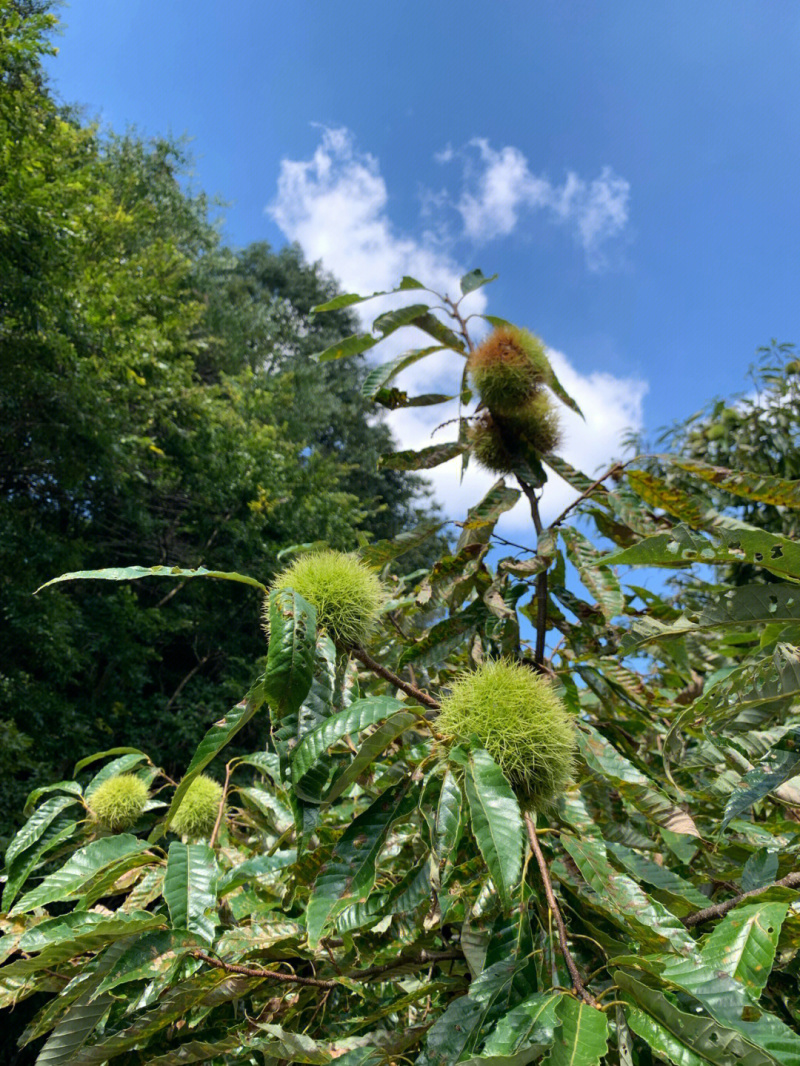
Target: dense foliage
x,y
158,402
373,888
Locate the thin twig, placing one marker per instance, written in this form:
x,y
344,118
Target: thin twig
x,y
221,810
718,910
552,903
269,975
201,663
384,672
613,469
422,959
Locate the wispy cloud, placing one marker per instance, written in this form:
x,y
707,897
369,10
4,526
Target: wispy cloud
x,y
499,188
335,205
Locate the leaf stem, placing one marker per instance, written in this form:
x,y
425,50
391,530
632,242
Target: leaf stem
x,y
221,810
555,910
384,672
541,581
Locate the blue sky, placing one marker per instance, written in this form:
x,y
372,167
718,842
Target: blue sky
x,y
629,169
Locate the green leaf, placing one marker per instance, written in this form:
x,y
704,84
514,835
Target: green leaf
x,y
778,765
133,573
220,734
57,833
350,298
604,759
36,826
743,944
77,875
424,459
350,873
378,378
768,680
104,754
728,1002
82,1017
190,888
384,551
290,657
563,395
528,1030
631,908
72,787
583,1037
760,870
429,323
735,543
761,487
496,821
390,321
308,775
253,869
660,877
148,956
58,939
376,743
682,1038
475,279
445,636
117,766
657,492
482,518
598,578
449,824
354,345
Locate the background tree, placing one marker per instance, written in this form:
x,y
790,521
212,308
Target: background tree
x,y
157,401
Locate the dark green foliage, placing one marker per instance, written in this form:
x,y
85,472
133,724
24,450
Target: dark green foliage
x,y
376,892
158,402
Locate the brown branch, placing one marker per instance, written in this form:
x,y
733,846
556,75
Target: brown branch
x,y
406,686
221,810
718,910
552,903
269,975
424,958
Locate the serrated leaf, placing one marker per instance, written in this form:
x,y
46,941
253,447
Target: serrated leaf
x,y
376,743
117,766
434,326
728,1002
190,888
449,823
779,765
762,487
75,877
308,775
632,909
290,656
253,869
496,821
482,518
148,956
734,543
390,321
57,833
133,573
682,1038
58,939
445,635
656,492
104,754
753,684
563,395
602,757
424,459
598,578
660,877
583,1037
81,1018
347,299
380,376
349,874
526,1031
760,870
71,787
743,944
220,734
36,826
384,551
353,345
475,279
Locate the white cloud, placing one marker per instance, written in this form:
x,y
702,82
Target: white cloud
x,y
335,205
499,187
